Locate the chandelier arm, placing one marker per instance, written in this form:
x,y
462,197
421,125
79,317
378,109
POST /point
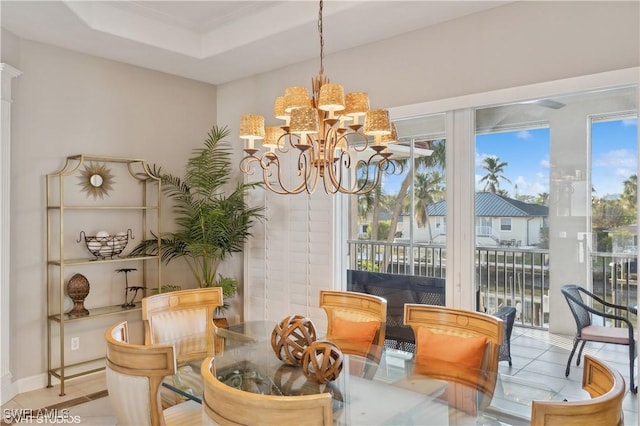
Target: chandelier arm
x,y
335,171
362,184
308,168
281,189
337,167
282,145
346,162
292,138
336,174
246,164
359,147
367,185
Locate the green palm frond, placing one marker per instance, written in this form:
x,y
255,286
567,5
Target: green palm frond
x,y
212,220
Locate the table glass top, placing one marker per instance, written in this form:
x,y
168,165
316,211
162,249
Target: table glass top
x,y
365,392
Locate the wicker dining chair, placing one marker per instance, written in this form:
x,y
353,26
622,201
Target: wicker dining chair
x,y
469,339
184,319
226,405
606,387
588,330
356,322
134,376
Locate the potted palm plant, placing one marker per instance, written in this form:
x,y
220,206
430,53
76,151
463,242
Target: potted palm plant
x,y
211,223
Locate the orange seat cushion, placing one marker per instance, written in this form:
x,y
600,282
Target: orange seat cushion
x,y
355,331
464,351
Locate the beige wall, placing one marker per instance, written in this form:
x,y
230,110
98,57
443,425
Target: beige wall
x,y
68,103
8,47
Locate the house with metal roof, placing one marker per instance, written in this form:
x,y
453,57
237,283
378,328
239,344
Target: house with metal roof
x,y
500,221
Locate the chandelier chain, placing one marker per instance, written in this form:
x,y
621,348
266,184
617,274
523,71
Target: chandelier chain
x,y
321,37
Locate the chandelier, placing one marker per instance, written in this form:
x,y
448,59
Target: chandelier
x,y
323,136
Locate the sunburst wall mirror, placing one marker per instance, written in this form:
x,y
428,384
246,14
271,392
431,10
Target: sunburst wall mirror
x,y
96,180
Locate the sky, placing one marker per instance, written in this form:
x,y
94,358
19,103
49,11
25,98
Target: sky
x,y
526,153
614,158
616,150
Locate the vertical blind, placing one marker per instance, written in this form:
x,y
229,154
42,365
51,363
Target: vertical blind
x,y
290,257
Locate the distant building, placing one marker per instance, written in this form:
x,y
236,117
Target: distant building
x,y
624,239
500,220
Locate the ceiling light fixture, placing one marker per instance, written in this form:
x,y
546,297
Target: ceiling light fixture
x,y
326,139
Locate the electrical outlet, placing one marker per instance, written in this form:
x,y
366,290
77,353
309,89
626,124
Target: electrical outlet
x,y
75,343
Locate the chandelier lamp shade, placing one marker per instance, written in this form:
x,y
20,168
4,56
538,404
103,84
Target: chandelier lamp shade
x,y
330,137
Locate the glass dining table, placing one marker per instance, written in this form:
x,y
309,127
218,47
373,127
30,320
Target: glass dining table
x,y
387,392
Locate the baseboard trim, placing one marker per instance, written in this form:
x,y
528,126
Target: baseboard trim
x,y
30,383
9,389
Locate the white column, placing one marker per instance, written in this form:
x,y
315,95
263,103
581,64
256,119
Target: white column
x,y
7,73
460,291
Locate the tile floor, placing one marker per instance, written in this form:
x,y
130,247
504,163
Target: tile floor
x,y
537,356
85,403
541,357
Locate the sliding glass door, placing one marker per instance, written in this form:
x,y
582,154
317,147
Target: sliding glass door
x,y
555,202
535,192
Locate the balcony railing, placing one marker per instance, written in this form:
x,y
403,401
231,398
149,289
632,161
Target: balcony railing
x,y
514,277
504,275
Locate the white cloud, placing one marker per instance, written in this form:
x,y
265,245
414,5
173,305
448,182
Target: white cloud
x,y
539,187
477,179
520,181
545,164
616,159
525,187
630,122
524,134
480,156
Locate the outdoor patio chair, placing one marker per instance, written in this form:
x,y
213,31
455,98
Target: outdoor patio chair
x,y
583,312
508,315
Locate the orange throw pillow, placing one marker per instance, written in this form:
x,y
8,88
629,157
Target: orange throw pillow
x,y
354,331
464,351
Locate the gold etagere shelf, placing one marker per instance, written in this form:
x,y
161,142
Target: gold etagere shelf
x,y
92,175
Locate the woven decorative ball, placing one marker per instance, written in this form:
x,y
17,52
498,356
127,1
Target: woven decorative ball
x,y
322,361
291,336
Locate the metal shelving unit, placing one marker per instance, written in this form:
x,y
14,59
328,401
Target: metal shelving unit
x,y
64,200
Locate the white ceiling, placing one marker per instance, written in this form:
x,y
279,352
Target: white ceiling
x,y
220,41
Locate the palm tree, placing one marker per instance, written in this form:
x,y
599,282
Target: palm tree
x,y
542,198
436,159
375,219
370,203
494,167
630,191
427,190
